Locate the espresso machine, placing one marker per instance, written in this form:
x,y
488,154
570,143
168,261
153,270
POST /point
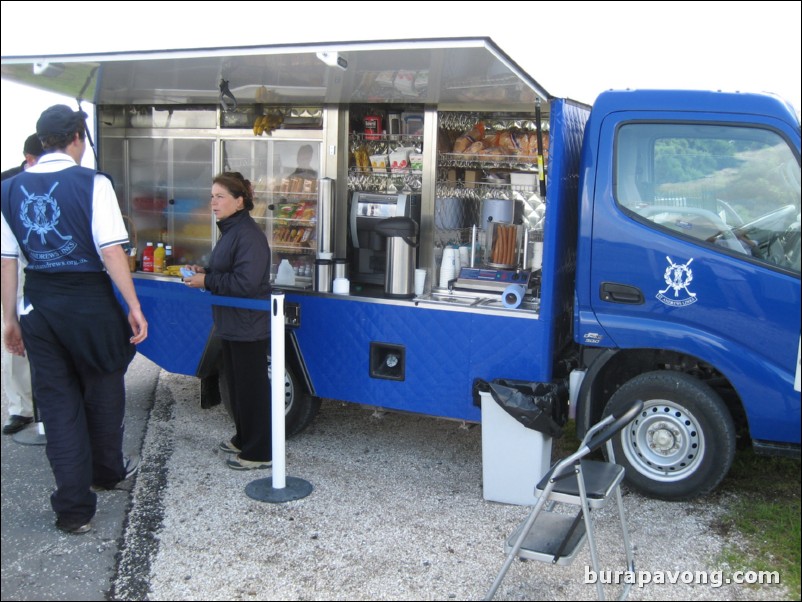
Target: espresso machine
x,y
369,247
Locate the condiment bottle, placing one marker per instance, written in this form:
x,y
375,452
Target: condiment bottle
x,y
147,258
168,256
158,258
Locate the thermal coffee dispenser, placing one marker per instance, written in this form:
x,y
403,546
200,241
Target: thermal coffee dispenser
x,y
370,247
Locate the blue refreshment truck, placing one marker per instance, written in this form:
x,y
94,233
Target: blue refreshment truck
x,y
653,239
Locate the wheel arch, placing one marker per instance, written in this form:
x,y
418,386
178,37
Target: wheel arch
x,y
607,370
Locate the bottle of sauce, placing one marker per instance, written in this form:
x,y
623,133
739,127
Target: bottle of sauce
x,y
168,256
158,258
147,257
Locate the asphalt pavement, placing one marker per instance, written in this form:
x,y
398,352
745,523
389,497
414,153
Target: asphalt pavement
x,y
39,562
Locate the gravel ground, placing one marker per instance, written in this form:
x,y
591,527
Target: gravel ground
x,y
396,513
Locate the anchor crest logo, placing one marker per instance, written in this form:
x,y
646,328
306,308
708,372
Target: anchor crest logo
x,y
677,277
40,214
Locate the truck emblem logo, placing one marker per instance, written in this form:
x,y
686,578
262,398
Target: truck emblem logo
x,y
46,214
592,338
677,276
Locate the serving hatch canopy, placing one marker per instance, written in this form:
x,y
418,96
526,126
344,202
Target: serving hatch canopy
x,y
466,73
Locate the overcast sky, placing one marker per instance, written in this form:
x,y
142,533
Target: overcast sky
x,y
573,49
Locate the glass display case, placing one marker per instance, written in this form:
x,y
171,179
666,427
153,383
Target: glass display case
x,y
164,189
162,161
285,176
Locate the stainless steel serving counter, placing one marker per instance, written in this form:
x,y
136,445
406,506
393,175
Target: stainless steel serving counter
x,y
440,299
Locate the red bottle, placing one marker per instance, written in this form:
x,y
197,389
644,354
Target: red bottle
x,y
147,258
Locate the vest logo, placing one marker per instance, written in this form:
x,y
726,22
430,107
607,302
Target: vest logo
x,y
677,276
40,214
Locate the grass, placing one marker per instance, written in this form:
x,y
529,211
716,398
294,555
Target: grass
x,y
766,512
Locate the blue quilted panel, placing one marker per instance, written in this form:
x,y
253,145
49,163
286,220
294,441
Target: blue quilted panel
x,y
445,351
560,236
179,323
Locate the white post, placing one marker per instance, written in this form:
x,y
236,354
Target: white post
x,y
278,488
277,388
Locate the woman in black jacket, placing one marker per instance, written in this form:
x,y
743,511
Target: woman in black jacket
x,y
240,267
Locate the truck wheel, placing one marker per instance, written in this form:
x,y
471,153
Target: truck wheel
x,y
299,407
683,442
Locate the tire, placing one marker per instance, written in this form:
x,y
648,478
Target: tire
x,y
683,442
300,408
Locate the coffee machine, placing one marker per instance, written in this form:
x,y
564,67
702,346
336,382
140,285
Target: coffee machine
x,y
369,248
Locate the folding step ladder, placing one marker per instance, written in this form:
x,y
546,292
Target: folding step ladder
x,y
556,537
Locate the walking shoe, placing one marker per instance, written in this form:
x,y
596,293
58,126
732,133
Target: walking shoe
x,y
229,448
131,464
240,464
16,423
73,528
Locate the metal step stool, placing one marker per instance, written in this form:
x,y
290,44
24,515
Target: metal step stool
x,y
556,538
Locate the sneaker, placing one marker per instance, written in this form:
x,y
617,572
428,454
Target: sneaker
x,y
240,464
131,464
229,448
73,528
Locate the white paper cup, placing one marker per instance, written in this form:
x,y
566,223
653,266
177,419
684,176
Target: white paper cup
x,y
420,281
341,286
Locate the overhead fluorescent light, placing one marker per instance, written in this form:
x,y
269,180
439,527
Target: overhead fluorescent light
x,y
333,59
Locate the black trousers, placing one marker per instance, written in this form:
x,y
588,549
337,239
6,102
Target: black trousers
x,y
245,365
83,411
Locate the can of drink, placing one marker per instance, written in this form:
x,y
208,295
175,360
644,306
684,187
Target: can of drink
x,y
373,127
394,124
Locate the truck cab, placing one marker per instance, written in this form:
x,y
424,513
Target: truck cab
x,y
688,280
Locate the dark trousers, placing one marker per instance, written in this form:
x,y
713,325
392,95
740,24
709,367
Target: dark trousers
x,y
245,365
83,412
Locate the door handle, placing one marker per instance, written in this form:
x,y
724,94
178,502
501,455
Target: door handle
x,y
620,293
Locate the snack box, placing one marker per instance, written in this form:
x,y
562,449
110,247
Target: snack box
x,y
379,163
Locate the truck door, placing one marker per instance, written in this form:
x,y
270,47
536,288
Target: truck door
x,y
696,249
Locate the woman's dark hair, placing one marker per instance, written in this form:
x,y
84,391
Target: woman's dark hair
x,y
237,185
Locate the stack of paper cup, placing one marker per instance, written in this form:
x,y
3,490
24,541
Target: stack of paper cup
x,y
448,267
465,256
537,255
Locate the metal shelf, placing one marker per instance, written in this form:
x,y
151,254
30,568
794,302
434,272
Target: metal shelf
x,y
364,179
517,162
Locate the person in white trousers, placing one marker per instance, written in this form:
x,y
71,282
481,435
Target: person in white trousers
x,y
16,369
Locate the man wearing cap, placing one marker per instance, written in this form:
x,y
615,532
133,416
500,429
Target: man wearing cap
x,y
64,220
16,369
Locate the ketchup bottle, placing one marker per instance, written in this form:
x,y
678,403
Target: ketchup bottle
x,y
147,258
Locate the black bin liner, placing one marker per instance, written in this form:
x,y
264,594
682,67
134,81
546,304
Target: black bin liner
x,y
542,407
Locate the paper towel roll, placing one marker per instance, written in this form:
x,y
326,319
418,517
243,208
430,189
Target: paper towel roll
x,y
513,295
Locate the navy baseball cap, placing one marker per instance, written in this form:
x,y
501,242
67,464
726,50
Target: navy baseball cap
x,y
33,146
59,120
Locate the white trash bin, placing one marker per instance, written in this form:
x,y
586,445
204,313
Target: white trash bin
x,y
514,458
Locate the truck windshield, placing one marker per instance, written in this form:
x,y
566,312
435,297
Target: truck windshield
x,y
735,188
